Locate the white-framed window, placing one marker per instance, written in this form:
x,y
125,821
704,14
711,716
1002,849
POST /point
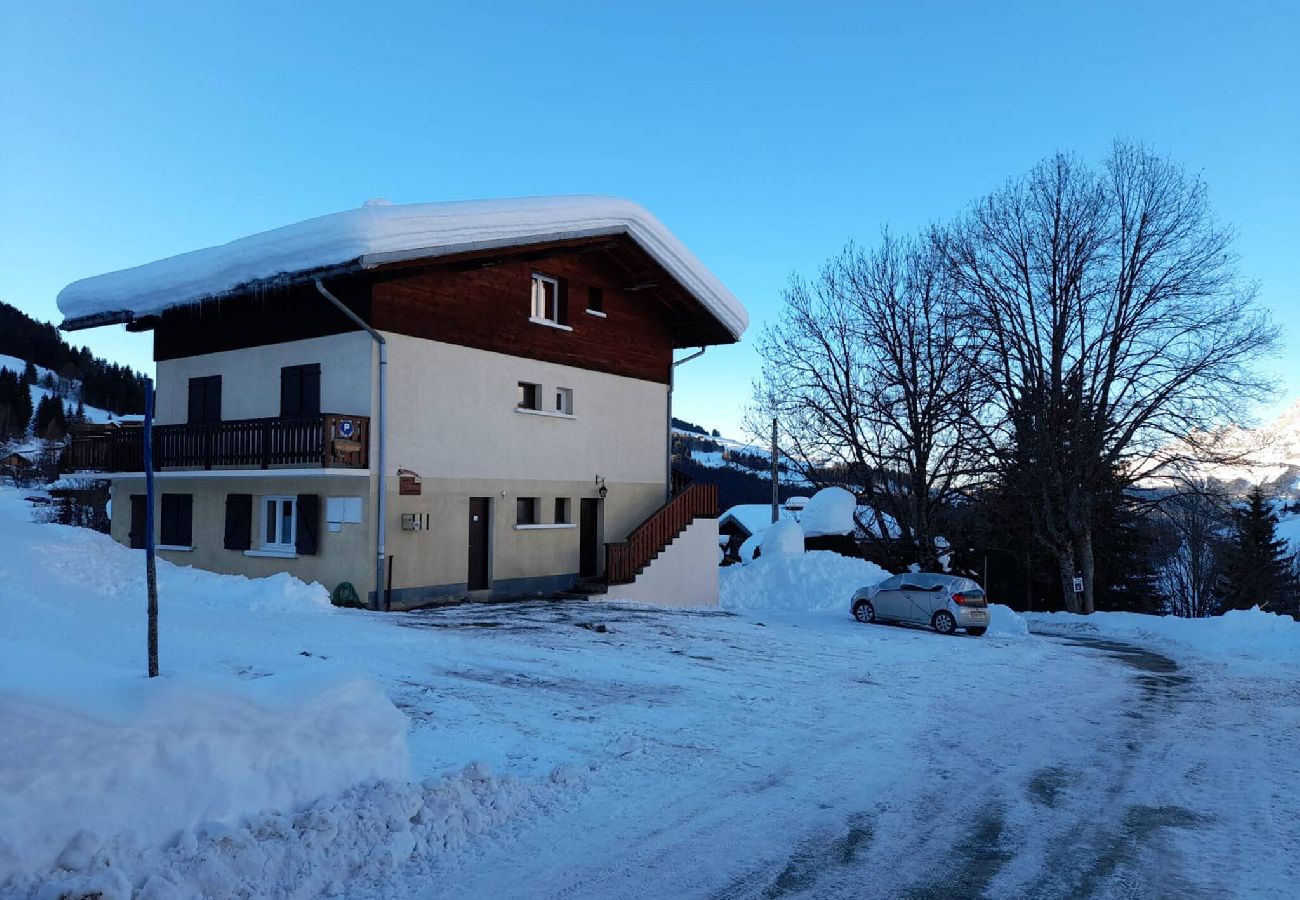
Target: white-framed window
x,y
279,523
564,400
546,299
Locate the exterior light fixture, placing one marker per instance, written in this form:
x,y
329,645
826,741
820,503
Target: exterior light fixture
x,y
600,487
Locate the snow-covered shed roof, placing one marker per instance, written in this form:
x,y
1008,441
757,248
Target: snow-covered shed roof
x,y
754,517
379,233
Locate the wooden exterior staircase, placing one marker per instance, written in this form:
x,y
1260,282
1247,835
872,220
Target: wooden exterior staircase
x,y
627,559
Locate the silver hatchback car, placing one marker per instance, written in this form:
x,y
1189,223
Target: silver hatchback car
x,y
944,602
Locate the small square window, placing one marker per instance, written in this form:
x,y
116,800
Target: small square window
x,y
530,395
595,299
562,511
526,511
564,400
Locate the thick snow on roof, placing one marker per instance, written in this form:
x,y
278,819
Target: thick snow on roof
x,y
380,233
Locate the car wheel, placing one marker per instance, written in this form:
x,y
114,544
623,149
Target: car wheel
x,y
864,612
976,632
943,622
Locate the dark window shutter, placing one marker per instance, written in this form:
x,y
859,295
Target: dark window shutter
x,y
308,524
196,401
136,535
205,400
177,520
239,521
212,400
290,391
562,302
311,390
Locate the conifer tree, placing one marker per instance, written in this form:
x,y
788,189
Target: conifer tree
x,y
1257,568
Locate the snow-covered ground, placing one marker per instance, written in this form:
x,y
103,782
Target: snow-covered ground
x,y
595,750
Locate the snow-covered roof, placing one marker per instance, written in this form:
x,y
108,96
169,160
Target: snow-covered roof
x,y
376,234
754,517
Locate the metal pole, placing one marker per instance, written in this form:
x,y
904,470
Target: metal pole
x,y
776,478
381,505
151,574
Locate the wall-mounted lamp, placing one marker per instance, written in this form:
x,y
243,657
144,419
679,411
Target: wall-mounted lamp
x,y
600,487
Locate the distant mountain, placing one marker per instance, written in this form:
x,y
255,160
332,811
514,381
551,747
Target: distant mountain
x,y
1268,456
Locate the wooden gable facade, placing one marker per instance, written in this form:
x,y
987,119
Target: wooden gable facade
x,y
481,300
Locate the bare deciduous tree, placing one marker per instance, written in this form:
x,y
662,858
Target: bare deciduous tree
x,y
1113,326
870,374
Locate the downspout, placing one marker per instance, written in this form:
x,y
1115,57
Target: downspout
x,y
382,512
672,377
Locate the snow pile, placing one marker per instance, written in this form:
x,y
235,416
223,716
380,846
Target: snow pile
x,y
783,538
830,511
1249,634
97,748
1006,622
809,581
370,833
376,234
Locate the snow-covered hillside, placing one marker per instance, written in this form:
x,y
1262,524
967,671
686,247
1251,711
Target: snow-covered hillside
x,y
93,414
736,454
1268,455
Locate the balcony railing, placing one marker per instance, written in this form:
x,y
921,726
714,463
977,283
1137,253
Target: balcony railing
x,y
328,440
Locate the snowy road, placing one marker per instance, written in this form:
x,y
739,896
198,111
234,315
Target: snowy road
x,y
825,758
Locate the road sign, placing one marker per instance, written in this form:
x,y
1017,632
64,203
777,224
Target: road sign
x,y
1078,585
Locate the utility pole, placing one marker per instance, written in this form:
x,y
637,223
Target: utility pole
x,y
776,476
151,574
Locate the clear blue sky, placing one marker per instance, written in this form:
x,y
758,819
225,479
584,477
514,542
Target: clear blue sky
x,y
763,134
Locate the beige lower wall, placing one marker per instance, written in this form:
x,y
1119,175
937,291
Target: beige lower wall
x,y
426,564
439,557
686,574
345,555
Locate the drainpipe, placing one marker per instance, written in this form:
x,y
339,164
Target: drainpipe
x,y
672,377
382,513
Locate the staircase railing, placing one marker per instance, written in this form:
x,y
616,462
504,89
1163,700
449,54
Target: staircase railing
x,y
624,560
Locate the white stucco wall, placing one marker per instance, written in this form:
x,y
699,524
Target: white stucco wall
x,y
685,574
250,378
454,417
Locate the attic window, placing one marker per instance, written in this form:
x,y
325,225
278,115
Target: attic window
x,y
596,300
549,301
530,395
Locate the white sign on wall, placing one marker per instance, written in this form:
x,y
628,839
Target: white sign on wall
x,y
1078,585
342,509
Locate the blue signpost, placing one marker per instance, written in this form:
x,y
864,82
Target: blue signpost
x,y
151,575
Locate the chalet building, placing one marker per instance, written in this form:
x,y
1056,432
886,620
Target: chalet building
x,y
489,381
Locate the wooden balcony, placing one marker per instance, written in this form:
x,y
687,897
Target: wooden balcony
x,y
328,440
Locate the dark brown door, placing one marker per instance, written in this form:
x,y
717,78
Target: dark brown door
x,y
480,509
589,535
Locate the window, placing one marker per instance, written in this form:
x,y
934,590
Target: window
x,y
279,516
526,511
564,401
595,300
549,301
530,395
205,400
176,527
300,390
562,508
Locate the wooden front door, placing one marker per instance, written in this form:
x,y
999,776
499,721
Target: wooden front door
x,y
589,536
480,511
